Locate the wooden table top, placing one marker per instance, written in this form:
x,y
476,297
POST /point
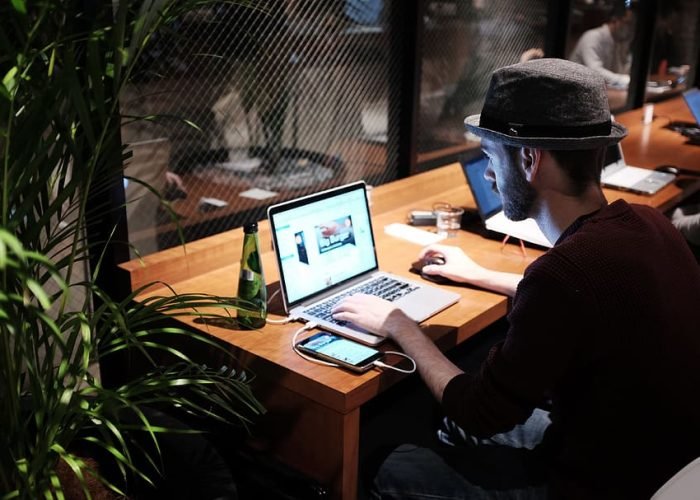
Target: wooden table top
x,y
269,349
211,265
653,145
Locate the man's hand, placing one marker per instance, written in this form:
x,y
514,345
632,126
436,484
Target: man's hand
x,y
461,268
172,179
373,314
383,318
457,267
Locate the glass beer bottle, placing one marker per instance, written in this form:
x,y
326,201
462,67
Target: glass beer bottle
x,y
251,280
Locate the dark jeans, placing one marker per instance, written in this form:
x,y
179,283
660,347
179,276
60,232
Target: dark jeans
x,y
504,466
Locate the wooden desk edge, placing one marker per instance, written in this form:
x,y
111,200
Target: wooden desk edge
x,y
198,257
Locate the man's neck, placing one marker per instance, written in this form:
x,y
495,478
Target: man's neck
x,y
556,211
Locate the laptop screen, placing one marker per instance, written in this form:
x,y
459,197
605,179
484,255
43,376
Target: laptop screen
x,y
488,202
692,99
613,154
322,240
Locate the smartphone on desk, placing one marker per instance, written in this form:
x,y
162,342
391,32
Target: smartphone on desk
x,y
344,352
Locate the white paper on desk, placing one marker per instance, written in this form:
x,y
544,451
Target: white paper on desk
x,y
413,234
216,202
258,194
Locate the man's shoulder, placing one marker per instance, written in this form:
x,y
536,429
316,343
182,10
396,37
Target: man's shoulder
x,y
602,30
609,236
585,242
598,34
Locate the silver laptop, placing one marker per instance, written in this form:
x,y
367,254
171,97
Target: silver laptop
x,y
490,206
617,174
325,251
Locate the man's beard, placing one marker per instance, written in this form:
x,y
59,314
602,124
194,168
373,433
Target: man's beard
x,y
519,196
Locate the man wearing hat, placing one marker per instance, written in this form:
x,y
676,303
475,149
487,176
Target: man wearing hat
x,y
593,392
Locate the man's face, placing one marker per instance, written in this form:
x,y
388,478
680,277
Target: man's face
x,y
507,179
623,28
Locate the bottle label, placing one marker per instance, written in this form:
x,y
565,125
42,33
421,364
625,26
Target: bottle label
x,y
247,275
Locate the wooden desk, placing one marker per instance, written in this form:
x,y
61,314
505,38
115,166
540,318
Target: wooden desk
x,y
652,145
617,98
356,158
313,420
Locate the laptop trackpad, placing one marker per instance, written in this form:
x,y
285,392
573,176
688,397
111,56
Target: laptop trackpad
x,y
420,304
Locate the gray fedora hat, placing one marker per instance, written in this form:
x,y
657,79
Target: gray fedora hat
x,y
548,104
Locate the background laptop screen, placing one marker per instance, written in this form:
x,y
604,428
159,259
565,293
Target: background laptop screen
x,y
487,200
612,154
323,241
692,99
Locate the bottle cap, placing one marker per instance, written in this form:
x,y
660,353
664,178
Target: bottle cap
x,y
251,227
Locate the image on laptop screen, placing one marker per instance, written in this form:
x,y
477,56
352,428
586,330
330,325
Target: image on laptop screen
x,y
323,243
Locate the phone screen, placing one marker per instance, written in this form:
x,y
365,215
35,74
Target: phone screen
x,y
339,349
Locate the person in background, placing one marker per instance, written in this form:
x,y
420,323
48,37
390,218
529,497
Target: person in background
x,y
687,219
606,49
592,393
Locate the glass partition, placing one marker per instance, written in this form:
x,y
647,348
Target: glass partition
x,y
601,36
674,43
464,41
254,105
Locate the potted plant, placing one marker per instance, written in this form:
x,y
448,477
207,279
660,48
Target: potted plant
x,y
63,64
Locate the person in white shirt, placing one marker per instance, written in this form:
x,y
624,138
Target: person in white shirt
x,y
686,218
606,49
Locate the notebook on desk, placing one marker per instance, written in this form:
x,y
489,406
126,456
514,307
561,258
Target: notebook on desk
x,y
617,174
325,250
490,206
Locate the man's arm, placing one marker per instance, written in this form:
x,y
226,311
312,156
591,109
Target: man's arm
x,y
461,268
382,317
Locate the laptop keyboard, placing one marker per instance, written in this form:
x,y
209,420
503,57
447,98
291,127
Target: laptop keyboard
x,y
384,287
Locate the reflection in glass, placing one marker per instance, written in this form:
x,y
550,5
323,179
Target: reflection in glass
x,y
601,37
464,41
259,104
672,49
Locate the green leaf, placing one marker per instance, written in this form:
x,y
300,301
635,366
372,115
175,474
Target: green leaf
x,y
3,255
192,124
52,62
19,6
39,293
9,81
60,103
12,243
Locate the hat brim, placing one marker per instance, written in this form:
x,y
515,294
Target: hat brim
x,y
617,133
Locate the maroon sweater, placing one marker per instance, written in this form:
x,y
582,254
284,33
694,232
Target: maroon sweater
x,y
606,325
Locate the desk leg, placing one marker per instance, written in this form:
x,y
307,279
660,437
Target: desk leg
x,y
313,439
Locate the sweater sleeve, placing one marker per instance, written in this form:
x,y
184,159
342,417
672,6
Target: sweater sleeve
x,y
522,372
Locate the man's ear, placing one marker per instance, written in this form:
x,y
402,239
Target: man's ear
x,y
530,159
